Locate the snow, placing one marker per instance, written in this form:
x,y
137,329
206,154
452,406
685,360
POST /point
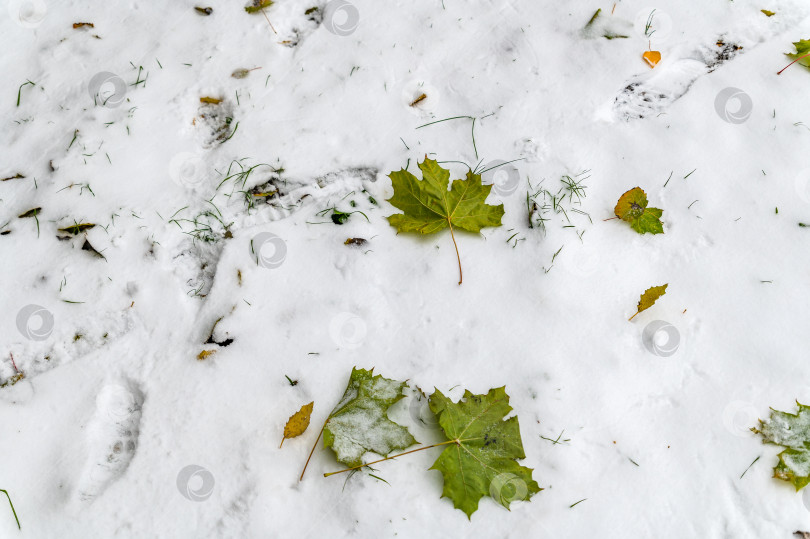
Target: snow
x,y
654,440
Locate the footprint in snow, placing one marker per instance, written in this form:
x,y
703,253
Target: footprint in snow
x,y
112,438
650,94
653,92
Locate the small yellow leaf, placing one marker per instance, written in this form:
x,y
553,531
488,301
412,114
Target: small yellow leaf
x,y
210,100
649,297
205,353
298,422
651,57
418,100
768,13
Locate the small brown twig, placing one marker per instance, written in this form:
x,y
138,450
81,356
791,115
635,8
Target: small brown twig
x,y
268,22
313,450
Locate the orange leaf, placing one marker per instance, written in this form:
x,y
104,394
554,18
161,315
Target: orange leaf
x,y
651,57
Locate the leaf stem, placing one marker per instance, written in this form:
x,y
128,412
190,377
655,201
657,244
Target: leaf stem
x,y
391,458
313,450
460,275
12,508
633,316
268,22
793,62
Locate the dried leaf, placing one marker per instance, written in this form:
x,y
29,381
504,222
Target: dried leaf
x,y
355,241
632,208
298,422
651,57
258,5
77,229
768,13
91,249
204,10
418,100
210,100
83,24
30,213
649,297
205,353
13,379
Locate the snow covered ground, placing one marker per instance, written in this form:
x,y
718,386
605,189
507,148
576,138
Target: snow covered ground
x,y
118,430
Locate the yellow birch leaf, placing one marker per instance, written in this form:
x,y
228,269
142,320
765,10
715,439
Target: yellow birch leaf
x,y
651,57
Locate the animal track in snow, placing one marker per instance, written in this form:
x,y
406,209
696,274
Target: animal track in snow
x,y
112,436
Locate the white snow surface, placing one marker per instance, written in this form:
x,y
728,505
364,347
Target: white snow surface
x,y
118,430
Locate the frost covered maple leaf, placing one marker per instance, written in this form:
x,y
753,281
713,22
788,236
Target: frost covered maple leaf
x,y
791,431
359,423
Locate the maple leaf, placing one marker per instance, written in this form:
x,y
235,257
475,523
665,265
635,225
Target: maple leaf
x,y
429,206
297,423
791,431
632,207
802,54
649,297
481,461
359,423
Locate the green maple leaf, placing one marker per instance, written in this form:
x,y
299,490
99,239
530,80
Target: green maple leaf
x,y
791,431
802,50
359,423
649,297
429,206
632,207
482,460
